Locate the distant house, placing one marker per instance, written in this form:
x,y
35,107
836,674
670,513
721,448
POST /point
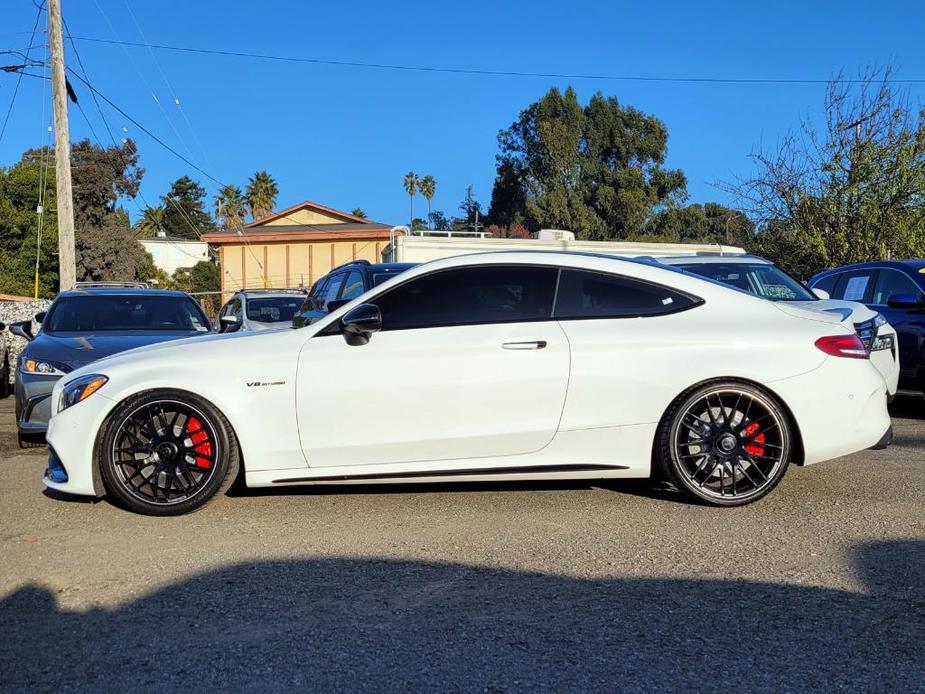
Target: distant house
x,y
295,247
170,253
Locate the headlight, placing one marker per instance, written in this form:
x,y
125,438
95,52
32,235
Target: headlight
x,y
879,320
42,367
80,389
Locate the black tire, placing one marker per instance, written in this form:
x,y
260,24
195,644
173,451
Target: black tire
x,y
151,461
32,441
5,386
724,443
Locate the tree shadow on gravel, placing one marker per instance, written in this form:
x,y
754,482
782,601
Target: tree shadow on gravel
x,y
369,624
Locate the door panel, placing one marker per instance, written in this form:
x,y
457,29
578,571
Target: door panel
x,y
432,394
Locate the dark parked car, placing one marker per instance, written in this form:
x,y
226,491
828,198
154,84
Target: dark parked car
x,y
895,288
344,283
86,324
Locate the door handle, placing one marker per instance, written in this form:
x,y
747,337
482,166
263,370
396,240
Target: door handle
x,y
532,344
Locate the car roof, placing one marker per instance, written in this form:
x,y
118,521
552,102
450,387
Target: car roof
x,y
912,265
743,259
121,291
271,293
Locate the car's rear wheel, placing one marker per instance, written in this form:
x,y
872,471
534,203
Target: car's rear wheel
x,y
165,453
725,443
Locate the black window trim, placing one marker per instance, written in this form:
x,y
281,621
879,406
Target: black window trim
x,y
336,328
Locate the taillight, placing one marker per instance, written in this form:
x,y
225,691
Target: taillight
x,y
848,346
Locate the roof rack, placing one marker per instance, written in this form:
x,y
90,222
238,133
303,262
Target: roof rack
x,y
118,285
271,290
360,261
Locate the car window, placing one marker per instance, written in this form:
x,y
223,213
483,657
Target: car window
x,y
890,282
237,310
353,286
273,309
827,283
854,286
124,313
762,279
471,295
586,294
331,290
317,294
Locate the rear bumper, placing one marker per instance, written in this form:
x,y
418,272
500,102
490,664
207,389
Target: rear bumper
x,y
840,408
884,441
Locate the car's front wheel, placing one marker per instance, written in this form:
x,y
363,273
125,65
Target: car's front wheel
x,y
165,453
724,443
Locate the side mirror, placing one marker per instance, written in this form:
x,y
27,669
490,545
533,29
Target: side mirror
x,y
905,301
360,323
336,304
228,324
40,316
821,294
23,330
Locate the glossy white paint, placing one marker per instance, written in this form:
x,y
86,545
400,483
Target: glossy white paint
x,y
455,401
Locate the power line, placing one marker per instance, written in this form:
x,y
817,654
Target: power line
x,y
483,73
6,119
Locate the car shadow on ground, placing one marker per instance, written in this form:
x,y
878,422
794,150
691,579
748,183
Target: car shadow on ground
x,y
353,624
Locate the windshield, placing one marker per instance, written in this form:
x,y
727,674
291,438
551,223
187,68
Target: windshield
x,y
761,279
273,309
89,314
380,275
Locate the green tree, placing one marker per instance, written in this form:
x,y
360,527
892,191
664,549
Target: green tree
x,y
230,207
471,209
708,223
427,186
185,214
596,170
110,252
359,212
261,192
19,242
411,183
438,220
151,222
849,191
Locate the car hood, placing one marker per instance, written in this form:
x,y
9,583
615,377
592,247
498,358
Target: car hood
x,y
77,349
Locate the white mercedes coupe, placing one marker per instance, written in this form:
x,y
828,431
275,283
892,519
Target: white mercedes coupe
x,y
497,366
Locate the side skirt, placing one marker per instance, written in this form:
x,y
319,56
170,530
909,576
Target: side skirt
x,y
564,471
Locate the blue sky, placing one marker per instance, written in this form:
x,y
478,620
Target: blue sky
x,y
345,136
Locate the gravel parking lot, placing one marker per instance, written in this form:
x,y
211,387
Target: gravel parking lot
x,y
491,588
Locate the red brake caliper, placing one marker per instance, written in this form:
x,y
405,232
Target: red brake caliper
x,y
201,443
756,446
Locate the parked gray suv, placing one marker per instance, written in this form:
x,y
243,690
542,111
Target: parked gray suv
x,y
260,309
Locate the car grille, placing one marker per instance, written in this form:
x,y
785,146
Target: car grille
x,y
867,331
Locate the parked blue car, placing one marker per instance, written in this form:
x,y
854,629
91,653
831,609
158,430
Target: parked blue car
x,y
895,288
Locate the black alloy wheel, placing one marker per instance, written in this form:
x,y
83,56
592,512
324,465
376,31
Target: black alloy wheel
x,y
727,444
167,453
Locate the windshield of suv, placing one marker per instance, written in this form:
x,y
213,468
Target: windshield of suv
x,y
764,280
101,313
273,309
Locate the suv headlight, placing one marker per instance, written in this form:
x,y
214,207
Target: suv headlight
x,y
42,367
80,389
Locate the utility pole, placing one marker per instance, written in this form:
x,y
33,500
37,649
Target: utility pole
x,y
67,271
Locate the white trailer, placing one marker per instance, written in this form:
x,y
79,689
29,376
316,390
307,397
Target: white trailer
x,y
421,247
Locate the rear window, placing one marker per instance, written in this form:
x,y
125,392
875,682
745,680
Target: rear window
x,y
761,279
585,294
275,309
82,314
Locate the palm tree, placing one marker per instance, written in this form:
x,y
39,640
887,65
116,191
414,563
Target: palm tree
x,y
428,188
261,194
151,222
411,185
230,207
359,212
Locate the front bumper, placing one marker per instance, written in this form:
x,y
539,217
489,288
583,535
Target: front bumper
x,y
72,438
33,402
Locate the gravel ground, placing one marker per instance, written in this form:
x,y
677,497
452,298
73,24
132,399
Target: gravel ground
x,y
488,588
14,312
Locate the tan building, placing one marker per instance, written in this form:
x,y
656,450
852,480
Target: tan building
x,y
295,247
